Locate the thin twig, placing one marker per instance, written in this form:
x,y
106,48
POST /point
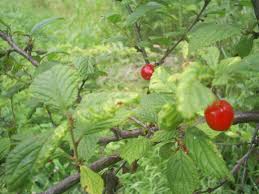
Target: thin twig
x,y
139,122
79,98
75,144
139,38
17,49
196,20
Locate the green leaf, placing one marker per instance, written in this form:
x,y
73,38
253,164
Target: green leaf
x,y
98,111
210,55
191,95
91,182
4,147
135,149
182,174
10,92
56,87
169,118
86,66
244,46
210,33
141,11
31,155
87,146
162,82
150,105
225,71
43,23
163,136
114,18
205,154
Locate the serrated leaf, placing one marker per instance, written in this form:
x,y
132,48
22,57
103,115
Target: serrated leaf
x,y
29,156
141,11
99,111
86,66
162,82
135,149
4,147
191,95
10,92
210,33
87,146
56,87
169,118
224,71
182,174
43,23
150,105
210,55
205,154
91,182
163,136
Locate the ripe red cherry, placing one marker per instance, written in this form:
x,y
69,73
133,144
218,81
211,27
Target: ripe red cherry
x,y
219,115
147,71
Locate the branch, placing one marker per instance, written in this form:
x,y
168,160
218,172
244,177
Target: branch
x,y
121,135
17,49
74,179
139,38
170,49
79,98
246,117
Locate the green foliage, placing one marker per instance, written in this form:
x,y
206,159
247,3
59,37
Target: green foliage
x,y
169,118
210,33
205,154
141,11
192,96
182,174
89,68
4,147
162,82
150,106
135,149
56,87
29,156
43,23
90,181
98,111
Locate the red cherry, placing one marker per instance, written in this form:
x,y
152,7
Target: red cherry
x,y
219,115
147,71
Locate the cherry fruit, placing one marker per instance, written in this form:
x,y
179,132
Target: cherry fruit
x,y
219,116
147,71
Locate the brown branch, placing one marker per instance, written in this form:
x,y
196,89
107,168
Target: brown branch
x,y
195,21
137,31
74,179
121,135
70,120
17,49
246,117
